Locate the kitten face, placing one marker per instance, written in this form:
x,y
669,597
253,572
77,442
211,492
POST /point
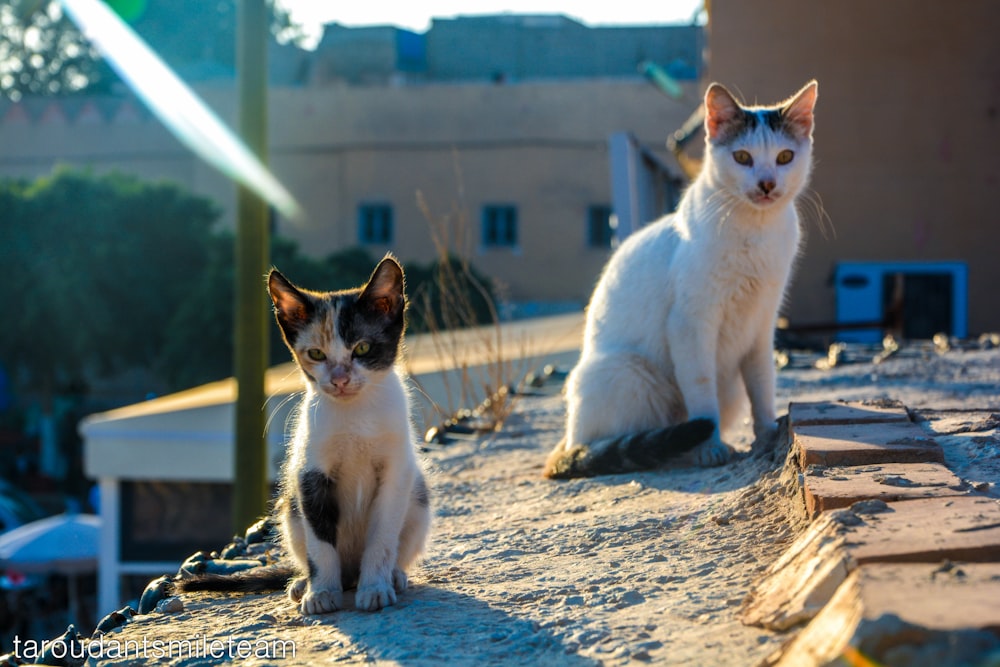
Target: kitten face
x,y
343,341
760,155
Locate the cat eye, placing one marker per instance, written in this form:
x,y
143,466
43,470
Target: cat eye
x,y
315,354
362,348
784,157
743,157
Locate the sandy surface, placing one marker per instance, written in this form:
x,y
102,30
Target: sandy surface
x,y
648,567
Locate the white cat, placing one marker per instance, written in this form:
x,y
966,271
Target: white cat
x,y
680,327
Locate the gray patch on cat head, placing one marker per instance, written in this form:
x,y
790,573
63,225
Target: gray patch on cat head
x,y
769,118
750,120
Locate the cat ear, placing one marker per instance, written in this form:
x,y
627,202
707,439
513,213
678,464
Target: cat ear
x,y
798,110
292,308
384,291
723,114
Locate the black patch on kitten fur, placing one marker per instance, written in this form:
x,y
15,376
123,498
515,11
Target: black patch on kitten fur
x,y
318,498
358,319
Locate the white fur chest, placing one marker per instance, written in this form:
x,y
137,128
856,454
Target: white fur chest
x,y
342,436
750,266
750,262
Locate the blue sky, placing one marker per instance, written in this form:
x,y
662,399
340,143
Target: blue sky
x,y
416,15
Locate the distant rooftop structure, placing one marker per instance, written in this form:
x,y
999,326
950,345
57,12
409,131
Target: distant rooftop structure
x,y
369,54
501,48
518,47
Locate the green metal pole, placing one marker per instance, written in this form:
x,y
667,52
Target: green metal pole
x,y
250,488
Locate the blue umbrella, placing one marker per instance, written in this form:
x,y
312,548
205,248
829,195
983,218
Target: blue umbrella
x,y
63,544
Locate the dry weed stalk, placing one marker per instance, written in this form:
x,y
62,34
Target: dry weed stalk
x,y
485,375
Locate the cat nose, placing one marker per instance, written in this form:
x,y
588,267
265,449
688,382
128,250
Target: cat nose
x,y
766,185
340,377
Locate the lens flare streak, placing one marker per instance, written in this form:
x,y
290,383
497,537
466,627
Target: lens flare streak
x,y
175,104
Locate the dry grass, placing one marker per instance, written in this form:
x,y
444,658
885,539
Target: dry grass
x,y
477,395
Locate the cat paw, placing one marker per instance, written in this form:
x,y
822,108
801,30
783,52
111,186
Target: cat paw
x,y
399,580
297,588
712,452
321,602
765,438
372,597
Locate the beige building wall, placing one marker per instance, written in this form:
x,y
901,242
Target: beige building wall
x,y
907,130
541,146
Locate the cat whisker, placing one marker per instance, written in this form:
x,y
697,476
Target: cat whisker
x,y
277,408
273,395
814,205
720,206
440,411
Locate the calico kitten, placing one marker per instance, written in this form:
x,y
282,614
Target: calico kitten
x,y
354,505
680,327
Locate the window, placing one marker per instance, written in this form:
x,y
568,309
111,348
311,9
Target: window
x,y
499,226
375,224
599,230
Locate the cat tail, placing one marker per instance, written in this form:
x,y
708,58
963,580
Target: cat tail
x,y
254,580
627,453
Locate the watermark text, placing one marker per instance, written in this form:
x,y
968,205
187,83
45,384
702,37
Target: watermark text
x,y
114,648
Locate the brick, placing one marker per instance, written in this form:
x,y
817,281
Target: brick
x,y
842,486
865,444
951,596
904,614
844,412
928,531
796,586
803,579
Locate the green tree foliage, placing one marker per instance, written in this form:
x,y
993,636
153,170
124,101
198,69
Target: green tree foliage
x,y
107,272
208,37
43,53
449,294
96,267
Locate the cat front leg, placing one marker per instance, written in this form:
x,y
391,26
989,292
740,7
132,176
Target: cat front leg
x,y
413,536
376,585
693,349
324,591
317,499
293,535
759,376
